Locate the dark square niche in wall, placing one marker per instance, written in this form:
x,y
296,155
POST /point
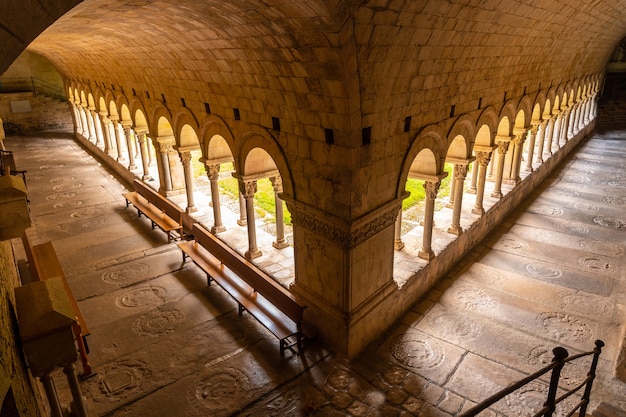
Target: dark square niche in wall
x,y
276,123
236,114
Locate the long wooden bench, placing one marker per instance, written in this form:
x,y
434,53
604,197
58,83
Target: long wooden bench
x,y
254,291
43,263
161,211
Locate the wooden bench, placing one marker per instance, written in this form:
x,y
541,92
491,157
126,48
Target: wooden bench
x,y
161,211
43,263
253,290
7,165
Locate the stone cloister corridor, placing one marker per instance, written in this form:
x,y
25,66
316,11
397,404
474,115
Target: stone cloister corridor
x,y
163,343
440,183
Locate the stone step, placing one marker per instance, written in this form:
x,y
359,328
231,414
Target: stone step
x,y
608,410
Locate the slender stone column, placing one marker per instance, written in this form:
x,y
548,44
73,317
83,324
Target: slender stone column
x,y
550,134
129,144
460,172
518,146
118,140
185,159
213,172
281,242
472,188
97,127
51,394
78,127
503,146
577,119
242,211
564,128
165,146
571,122
247,189
452,194
431,188
531,147
398,244
83,123
541,138
79,405
143,153
91,127
482,160
106,134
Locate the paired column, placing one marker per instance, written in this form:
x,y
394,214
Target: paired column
x,y
518,146
185,159
213,172
128,135
482,158
398,244
431,187
503,147
106,133
142,138
541,139
531,147
165,146
248,188
460,172
281,242
118,140
550,134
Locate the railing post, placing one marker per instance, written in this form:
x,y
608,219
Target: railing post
x,y
591,376
560,354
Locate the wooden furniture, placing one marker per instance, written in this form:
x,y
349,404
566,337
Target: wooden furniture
x,y
253,290
43,263
161,211
7,165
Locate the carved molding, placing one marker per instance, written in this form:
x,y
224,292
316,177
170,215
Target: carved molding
x,y
346,235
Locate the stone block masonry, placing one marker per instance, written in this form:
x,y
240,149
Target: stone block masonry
x,y
45,112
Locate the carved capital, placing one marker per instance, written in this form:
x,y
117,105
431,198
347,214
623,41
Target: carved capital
x,y
247,188
431,188
277,183
460,171
503,147
185,157
483,158
213,171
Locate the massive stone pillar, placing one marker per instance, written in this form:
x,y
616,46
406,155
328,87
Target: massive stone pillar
x,y
280,242
185,158
247,188
503,146
213,172
483,156
344,272
460,172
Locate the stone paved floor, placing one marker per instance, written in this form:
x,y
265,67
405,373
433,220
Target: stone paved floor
x,y
165,344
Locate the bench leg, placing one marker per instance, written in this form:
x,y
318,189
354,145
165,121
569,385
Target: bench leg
x,y
241,309
82,349
208,280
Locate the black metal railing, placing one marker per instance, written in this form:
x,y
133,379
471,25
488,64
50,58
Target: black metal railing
x,y
559,360
32,84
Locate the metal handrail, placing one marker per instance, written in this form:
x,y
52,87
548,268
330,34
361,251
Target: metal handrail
x,y
559,360
31,84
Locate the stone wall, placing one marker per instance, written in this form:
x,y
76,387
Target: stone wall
x,y
45,113
14,374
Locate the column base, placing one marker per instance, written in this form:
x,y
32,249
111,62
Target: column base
x,y
478,210
147,178
280,245
241,222
450,205
455,230
191,209
530,169
398,245
218,229
132,166
252,254
496,194
427,255
471,191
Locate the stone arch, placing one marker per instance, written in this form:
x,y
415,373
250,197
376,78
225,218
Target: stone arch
x,y
488,118
182,118
125,113
138,113
525,105
160,121
217,140
463,127
423,157
507,112
245,166
83,99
